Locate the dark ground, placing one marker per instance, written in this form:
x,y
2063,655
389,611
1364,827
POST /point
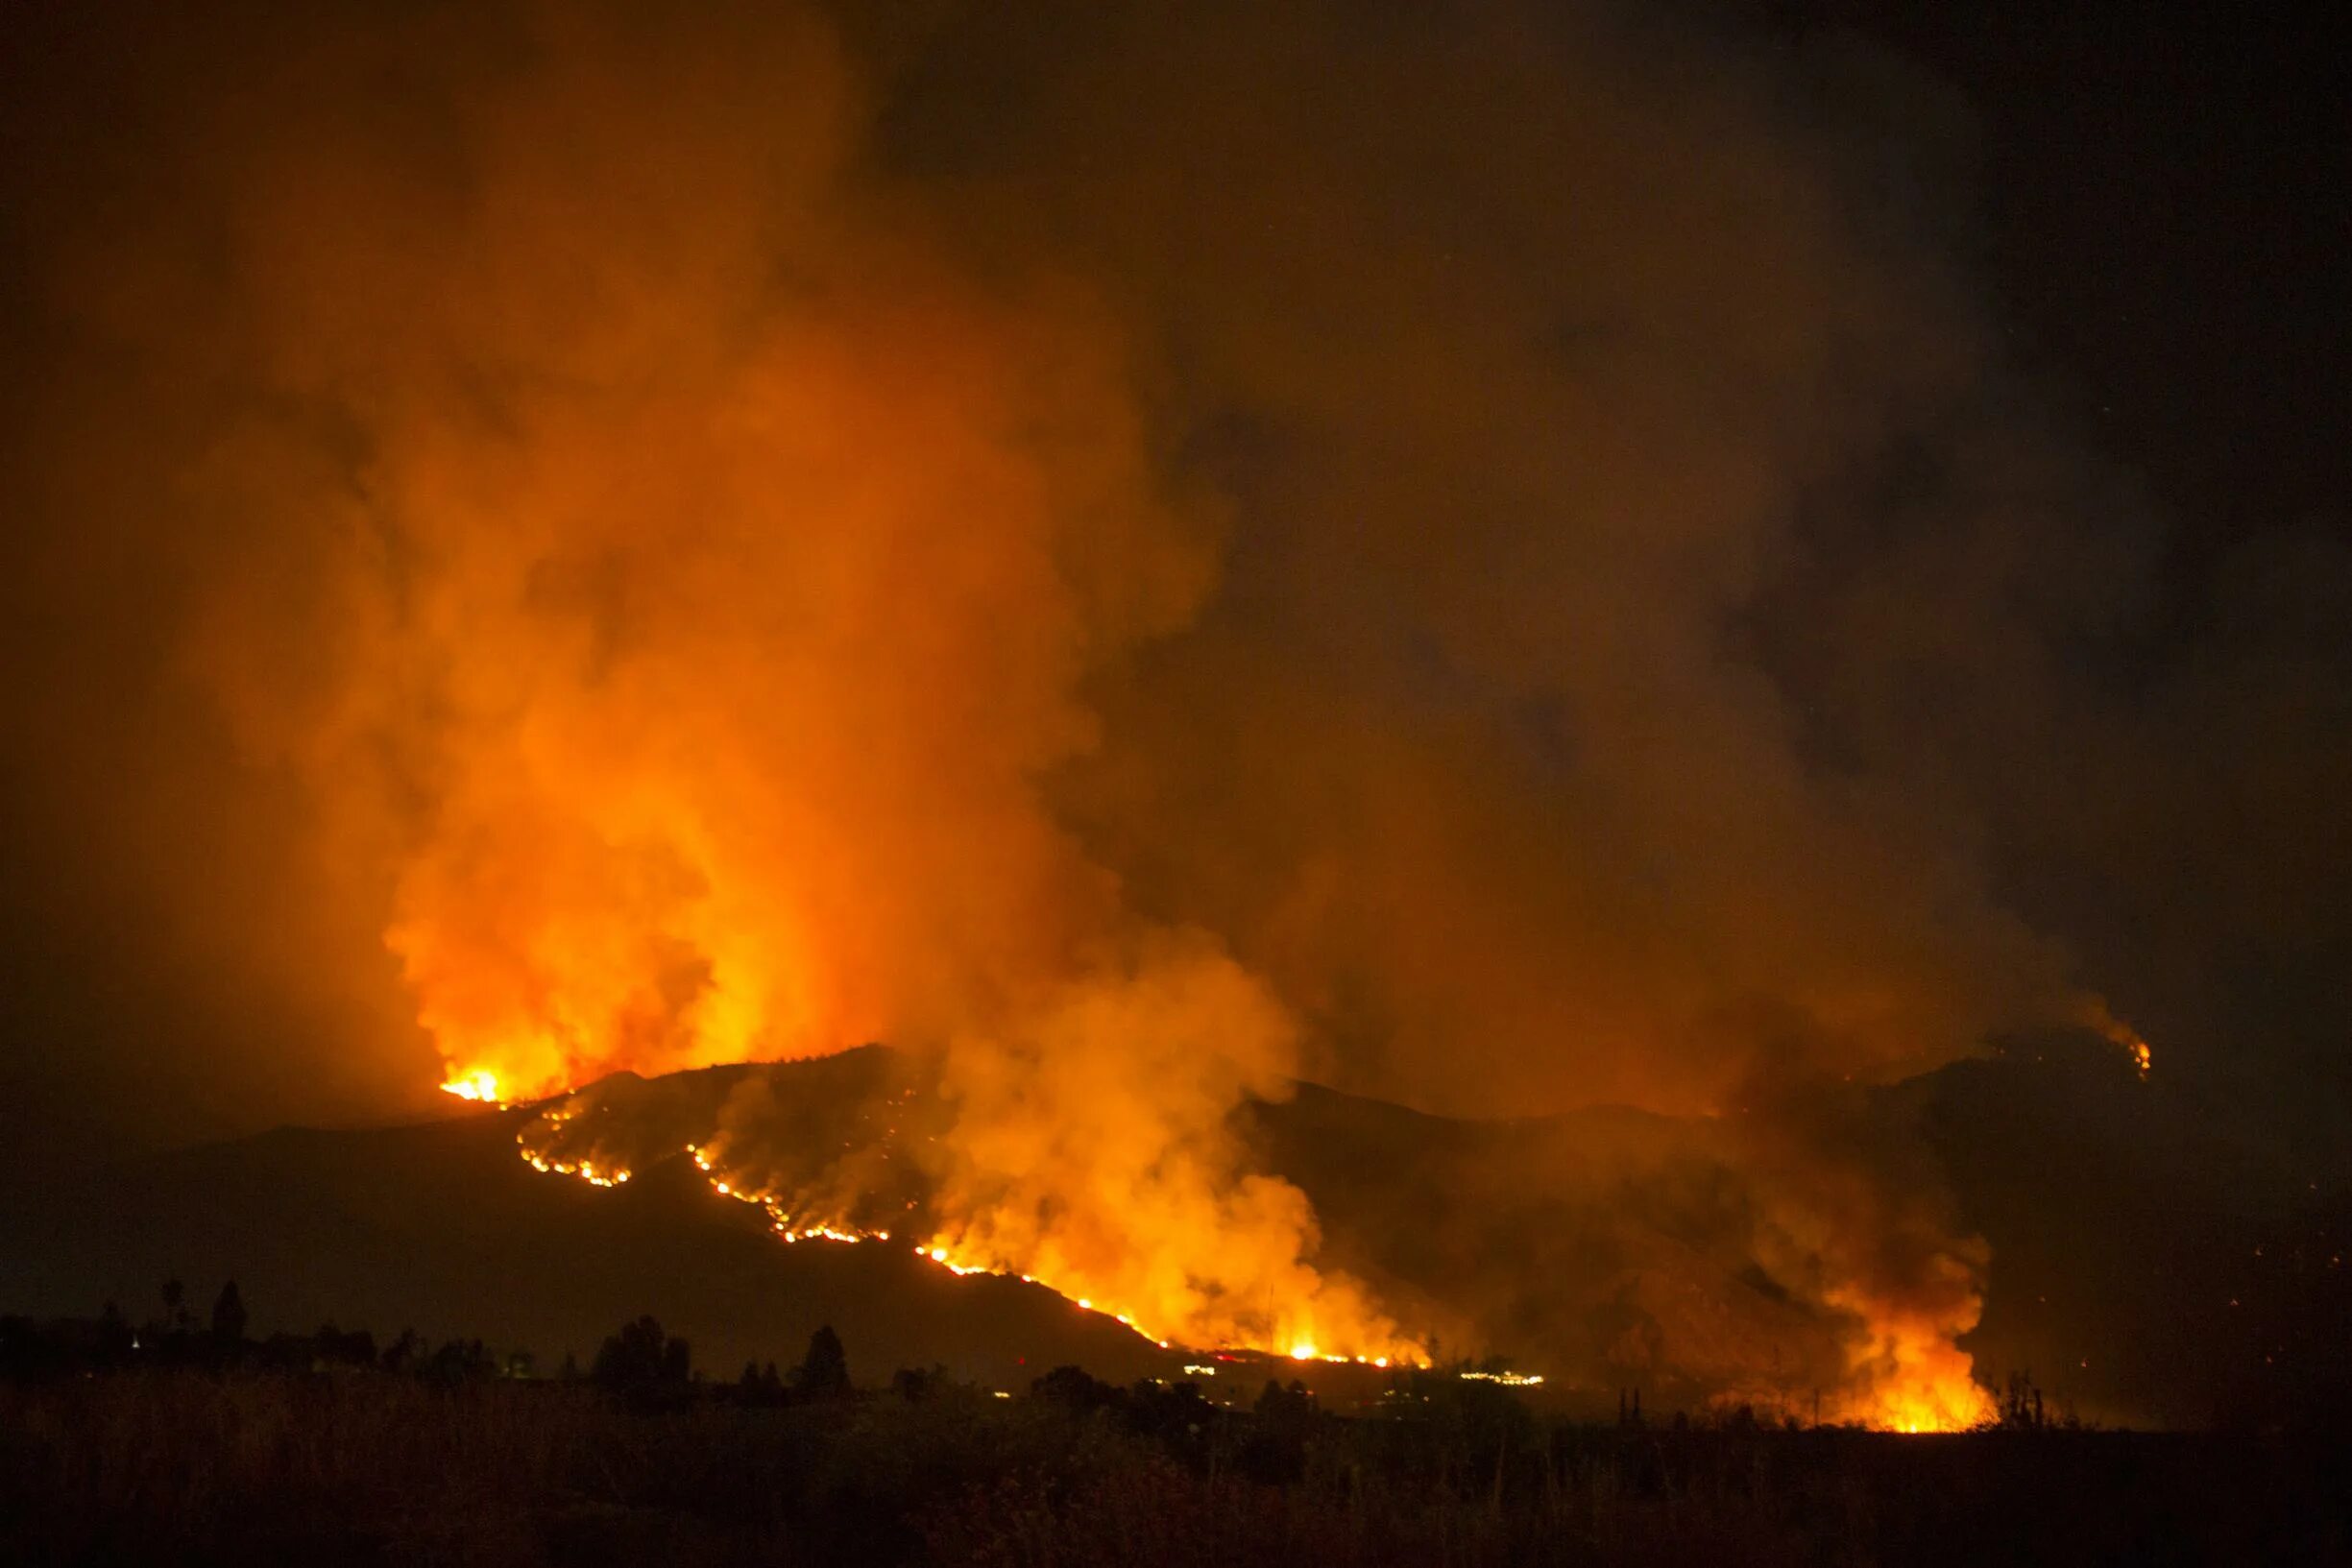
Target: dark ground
x,y
194,1465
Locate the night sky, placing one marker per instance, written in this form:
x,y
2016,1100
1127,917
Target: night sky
x,y
2161,213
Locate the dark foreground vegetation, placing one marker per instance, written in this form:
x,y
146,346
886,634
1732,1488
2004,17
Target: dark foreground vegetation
x,y
202,1446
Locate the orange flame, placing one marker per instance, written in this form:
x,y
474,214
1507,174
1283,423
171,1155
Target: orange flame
x,y
480,1084
1908,1375
1935,1393
2097,1016
1224,1276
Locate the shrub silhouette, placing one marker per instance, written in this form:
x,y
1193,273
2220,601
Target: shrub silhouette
x,y
1072,1386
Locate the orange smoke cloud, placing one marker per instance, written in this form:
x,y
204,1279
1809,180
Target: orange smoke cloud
x,y
1092,1151
718,572
713,590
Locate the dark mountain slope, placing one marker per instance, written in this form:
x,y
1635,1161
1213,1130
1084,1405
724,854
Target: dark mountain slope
x,y
443,1228
1604,1247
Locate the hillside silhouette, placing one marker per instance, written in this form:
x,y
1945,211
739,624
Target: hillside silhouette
x,y
1573,1243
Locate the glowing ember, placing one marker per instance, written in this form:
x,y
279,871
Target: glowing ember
x,y
2122,1035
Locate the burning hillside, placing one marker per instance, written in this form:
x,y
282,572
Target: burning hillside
x,y
1605,1250
861,1147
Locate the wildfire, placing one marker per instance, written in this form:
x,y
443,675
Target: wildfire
x,y
481,1086
2141,1056
845,1166
1929,1386
580,1137
699,608
2127,1039
1916,1382
2123,1036
940,1253
1924,1410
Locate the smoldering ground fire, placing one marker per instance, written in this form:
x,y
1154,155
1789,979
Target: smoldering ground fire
x,y
1207,579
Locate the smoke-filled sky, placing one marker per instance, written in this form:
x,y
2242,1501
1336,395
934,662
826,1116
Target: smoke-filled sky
x,y
1511,560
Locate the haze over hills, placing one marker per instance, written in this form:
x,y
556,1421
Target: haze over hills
x,y
1605,1249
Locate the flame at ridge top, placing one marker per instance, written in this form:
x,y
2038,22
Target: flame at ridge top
x,y
480,1084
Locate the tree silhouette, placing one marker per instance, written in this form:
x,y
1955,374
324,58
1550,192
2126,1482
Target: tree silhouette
x,y
2021,1407
1286,1409
402,1351
824,1371
916,1384
1074,1387
639,1355
229,1316
115,1335
1274,1452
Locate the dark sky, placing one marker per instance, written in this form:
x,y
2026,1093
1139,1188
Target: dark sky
x,y
2162,212
2165,214
2091,275
2165,219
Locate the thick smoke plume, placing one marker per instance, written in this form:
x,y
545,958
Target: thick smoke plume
x,y
1130,560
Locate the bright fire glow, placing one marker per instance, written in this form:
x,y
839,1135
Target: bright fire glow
x,y
1907,1375
1198,1250
560,1141
478,1085
1914,1381
2123,1036
1930,1388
